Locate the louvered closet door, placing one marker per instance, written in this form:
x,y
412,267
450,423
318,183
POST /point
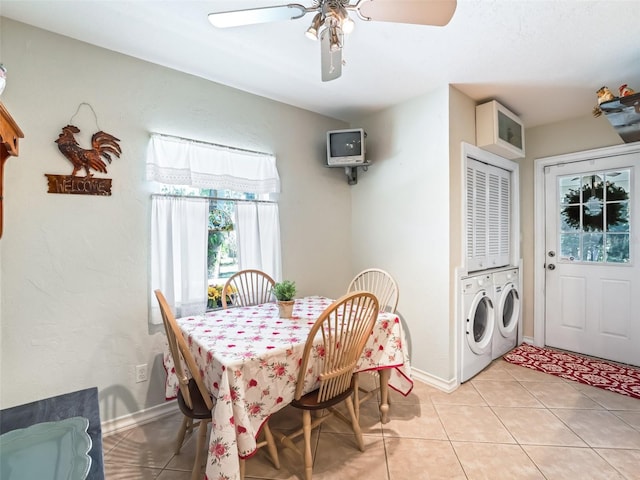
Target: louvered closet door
x,y
488,216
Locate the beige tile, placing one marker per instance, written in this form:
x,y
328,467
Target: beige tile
x,y
150,445
338,456
174,475
626,462
537,426
415,443
495,371
369,380
611,400
291,462
420,459
415,421
630,417
506,394
184,460
465,394
559,395
472,424
565,463
526,374
114,471
421,393
599,428
488,461
286,420
369,420
110,441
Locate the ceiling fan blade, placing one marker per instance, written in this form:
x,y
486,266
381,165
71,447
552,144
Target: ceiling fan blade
x,y
420,12
251,16
331,62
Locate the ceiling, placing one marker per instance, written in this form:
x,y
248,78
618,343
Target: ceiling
x,y
544,60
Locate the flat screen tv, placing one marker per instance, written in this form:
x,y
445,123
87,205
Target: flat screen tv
x,y
346,147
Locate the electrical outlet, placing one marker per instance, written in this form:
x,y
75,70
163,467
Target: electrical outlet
x,y
141,373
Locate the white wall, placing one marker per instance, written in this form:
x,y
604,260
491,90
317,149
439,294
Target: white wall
x,y
74,268
400,219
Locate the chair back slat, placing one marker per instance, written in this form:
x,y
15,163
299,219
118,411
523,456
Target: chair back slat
x,y
344,328
247,287
381,284
183,360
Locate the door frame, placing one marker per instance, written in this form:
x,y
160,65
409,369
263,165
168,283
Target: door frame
x,y
540,228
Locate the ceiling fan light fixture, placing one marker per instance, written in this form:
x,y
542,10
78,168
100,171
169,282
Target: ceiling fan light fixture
x,y
312,31
348,25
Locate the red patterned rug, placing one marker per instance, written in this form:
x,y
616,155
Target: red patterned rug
x,y
619,378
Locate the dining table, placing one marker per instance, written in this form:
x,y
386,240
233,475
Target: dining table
x,y
249,358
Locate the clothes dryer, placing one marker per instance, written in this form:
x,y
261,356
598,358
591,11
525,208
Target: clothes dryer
x,y
506,284
477,325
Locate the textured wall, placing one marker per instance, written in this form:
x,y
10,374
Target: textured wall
x,y
401,219
75,268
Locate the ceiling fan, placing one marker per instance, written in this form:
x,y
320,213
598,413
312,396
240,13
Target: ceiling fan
x,y
331,21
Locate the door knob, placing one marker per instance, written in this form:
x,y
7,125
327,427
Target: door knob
x,y
552,253
551,266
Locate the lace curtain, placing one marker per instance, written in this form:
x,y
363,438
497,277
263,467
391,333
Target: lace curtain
x,y
179,254
177,161
258,235
179,224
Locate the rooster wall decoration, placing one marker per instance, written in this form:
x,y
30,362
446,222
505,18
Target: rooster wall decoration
x,y
104,146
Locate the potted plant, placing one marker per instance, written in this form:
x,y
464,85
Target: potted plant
x,y
284,292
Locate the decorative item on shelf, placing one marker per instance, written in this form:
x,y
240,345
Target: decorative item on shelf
x,y
623,113
284,292
103,146
625,91
3,77
214,296
604,95
10,135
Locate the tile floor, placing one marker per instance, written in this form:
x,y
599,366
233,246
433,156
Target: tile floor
x,y
508,422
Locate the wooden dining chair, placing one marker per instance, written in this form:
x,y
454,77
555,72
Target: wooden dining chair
x,y
247,287
385,288
194,399
381,284
342,330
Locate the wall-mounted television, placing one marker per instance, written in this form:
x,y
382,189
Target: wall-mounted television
x,y
346,147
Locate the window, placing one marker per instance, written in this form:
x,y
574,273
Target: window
x,y
223,258
594,217
213,216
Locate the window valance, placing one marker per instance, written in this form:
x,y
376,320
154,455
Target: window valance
x,y
179,161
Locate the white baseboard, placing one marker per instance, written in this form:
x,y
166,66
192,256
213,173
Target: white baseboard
x,y
528,340
109,427
446,386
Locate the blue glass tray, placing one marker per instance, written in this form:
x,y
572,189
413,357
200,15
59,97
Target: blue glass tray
x,y
47,451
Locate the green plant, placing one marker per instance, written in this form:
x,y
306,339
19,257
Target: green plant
x,y
285,290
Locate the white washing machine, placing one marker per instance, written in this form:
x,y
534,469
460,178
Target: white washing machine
x,y
477,324
506,284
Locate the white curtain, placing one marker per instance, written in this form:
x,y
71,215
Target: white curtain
x,y
178,161
258,236
179,254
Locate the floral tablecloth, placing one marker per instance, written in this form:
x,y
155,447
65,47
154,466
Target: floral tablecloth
x,y
249,360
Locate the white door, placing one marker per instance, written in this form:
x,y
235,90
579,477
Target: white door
x,y
592,279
